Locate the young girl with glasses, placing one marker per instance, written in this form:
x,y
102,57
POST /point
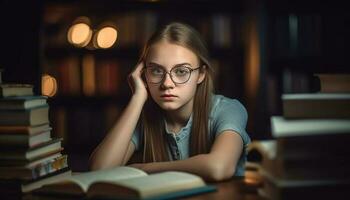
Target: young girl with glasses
x,y
173,118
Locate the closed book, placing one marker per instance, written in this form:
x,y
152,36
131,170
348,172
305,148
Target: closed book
x,y
316,105
23,140
12,89
274,160
32,162
314,138
282,127
31,153
331,147
276,188
22,102
26,130
334,83
128,183
29,117
16,186
33,172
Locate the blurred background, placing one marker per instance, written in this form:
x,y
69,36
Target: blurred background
x,y
80,52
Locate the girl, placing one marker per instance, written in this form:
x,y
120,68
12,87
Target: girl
x,y
173,117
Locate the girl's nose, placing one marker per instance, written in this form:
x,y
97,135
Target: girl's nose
x,y
167,82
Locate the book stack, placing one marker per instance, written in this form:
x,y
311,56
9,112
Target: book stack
x,y
29,156
308,157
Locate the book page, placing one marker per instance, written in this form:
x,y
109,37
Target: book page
x,y
118,173
77,184
156,184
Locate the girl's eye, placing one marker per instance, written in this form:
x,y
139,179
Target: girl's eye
x,y
181,71
156,70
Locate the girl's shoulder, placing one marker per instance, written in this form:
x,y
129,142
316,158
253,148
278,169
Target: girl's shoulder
x,y
221,102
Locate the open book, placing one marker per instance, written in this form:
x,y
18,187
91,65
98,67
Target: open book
x,y
128,183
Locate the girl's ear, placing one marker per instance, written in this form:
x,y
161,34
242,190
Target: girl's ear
x,y
202,74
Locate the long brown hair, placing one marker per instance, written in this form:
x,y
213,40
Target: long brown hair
x,y
152,123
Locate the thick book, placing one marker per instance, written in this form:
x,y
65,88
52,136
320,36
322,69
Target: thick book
x,y
26,130
16,186
31,153
23,140
128,183
13,89
316,105
22,102
32,162
303,165
282,127
314,138
29,117
34,172
277,188
334,83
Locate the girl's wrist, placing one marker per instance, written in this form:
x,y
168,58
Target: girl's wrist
x,y
139,97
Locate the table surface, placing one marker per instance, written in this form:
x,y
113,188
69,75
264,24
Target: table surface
x,y
233,189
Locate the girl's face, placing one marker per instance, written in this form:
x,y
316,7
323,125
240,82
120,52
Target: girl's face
x,y
165,58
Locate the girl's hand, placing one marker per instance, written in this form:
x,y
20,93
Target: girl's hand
x,y
151,167
136,83
141,166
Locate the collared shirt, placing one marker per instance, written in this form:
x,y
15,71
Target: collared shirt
x,y
226,114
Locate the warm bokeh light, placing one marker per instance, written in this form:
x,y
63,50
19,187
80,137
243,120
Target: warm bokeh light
x,y
48,85
105,37
79,34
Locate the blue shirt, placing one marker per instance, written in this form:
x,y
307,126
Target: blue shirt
x,y
226,114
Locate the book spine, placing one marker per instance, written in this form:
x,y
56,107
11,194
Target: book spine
x,y
49,167
35,172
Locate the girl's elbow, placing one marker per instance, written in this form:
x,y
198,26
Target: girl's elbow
x,y
221,172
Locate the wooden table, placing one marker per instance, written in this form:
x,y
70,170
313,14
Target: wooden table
x,y
234,189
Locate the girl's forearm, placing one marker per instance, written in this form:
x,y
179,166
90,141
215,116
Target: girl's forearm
x,y
204,165
113,148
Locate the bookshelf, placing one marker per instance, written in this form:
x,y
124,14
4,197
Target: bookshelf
x,y
300,38
92,86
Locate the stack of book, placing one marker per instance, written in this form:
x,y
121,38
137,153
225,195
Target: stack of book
x,y
308,156
29,156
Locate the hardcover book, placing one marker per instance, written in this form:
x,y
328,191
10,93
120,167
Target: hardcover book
x,y
128,183
12,89
316,105
22,102
29,117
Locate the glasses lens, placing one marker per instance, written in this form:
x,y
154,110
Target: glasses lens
x,y
180,74
154,74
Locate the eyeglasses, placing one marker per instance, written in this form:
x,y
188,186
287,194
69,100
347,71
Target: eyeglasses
x,y
179,74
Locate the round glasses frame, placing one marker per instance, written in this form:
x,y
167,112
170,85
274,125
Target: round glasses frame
x,y
171,77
